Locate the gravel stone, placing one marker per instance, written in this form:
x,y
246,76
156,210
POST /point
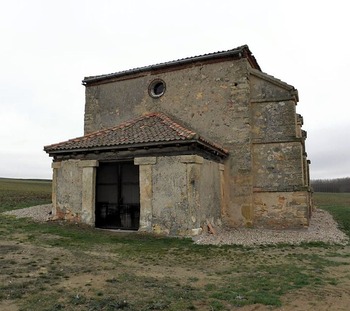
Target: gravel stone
x,y
40,213
322,228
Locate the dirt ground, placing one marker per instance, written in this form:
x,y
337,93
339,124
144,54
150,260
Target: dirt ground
x,y
40,277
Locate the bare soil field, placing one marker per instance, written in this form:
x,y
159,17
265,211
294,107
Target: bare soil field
x,y
60,266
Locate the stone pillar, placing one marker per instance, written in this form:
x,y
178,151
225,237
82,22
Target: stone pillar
x,y
146,191
88,191
55,166
193,170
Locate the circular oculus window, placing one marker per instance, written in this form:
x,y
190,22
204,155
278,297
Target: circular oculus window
x,y
156,88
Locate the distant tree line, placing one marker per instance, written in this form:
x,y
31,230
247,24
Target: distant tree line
x,y
331,185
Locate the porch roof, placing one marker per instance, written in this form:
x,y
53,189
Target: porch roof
x,y
151,130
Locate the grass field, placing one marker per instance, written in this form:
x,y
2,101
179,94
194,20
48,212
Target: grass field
x,y
60,266
19,193
338,204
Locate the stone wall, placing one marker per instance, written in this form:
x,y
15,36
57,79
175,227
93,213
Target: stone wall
x,y
251,114
212,99
183,196
67,190
281,209
280,183
74,186
278,166
207,98
274,121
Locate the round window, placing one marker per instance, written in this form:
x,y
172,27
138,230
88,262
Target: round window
x,y
156,88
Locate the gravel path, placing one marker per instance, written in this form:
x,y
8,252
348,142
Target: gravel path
x,y
39,213
322,228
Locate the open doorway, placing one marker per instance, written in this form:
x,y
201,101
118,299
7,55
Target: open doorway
x,y
117,196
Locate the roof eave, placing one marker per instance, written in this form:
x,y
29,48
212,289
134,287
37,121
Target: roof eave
x,y
218,151
240,52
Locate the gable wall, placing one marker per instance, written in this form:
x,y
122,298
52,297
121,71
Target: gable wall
x,y
206,98
212,99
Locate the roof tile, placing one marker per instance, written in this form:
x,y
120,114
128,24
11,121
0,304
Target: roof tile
x,y
154,128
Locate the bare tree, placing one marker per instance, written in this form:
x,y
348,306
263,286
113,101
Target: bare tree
x,y
331,185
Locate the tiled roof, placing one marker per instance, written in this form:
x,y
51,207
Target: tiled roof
x,y
150,130
239,52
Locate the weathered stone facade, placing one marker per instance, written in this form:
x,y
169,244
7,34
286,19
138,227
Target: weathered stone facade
x,y
183,192
264,180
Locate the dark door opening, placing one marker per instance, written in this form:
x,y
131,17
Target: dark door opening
x,y
117,196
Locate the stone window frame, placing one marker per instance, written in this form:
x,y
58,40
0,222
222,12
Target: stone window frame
x,y
153,88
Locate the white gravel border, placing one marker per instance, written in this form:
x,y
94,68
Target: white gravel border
x,y
39,213
322,228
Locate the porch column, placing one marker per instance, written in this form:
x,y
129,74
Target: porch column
x,y
146,191
55,167
193,169
88,191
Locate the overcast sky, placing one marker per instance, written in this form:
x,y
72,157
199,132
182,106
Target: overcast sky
x,y
48,47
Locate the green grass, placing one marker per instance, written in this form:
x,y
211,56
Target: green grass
x,y
133,271
234,276
20,193
338,204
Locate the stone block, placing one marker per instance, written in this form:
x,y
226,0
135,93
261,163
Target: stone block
x,y
56,165
191,159
145,161
88,163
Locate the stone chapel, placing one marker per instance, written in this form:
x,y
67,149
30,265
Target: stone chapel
x,y
172,147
